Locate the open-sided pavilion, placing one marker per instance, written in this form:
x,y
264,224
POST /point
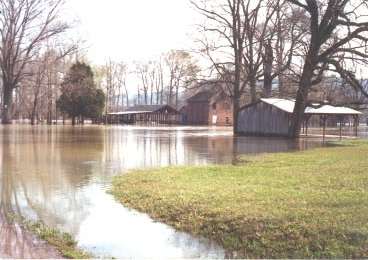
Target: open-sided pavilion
x,y
160,114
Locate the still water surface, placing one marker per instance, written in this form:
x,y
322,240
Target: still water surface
x,y
60,175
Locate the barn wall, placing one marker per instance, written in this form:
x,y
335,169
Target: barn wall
x,y
263,120
197,113
223,111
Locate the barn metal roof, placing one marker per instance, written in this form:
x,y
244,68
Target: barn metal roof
x,y
288,106
283,104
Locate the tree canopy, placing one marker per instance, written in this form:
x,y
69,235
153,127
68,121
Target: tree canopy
x,y
80,97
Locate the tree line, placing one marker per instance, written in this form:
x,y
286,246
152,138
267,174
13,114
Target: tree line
x,y
154,82
41,78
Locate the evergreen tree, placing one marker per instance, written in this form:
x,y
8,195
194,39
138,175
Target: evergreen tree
x,y
80,97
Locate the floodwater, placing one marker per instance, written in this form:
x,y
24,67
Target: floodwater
x,y
60,175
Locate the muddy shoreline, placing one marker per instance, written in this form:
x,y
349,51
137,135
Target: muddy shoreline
x,y
16,242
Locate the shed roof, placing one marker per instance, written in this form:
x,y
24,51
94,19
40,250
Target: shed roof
x,y
288,106
283,104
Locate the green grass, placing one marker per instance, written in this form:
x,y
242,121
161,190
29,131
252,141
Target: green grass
x,y
311,204
63,242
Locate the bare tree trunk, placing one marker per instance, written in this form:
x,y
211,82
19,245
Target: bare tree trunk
x,y
106,106
267,70
122,101
34,107
161,86
145,97
127,98
279,60
7,102
49,94
49,113
152,94
236,108
298,115
170,96
282,90
267,87
253,88
301,100
56,116
177,97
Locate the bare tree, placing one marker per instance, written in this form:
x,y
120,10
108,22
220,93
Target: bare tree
x,y
336,41
24,26
44,80
234,40
144,74
182,69
112,79
280,45
122,73
111,75
160,83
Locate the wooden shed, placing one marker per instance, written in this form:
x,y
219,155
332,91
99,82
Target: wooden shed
x,y
272,116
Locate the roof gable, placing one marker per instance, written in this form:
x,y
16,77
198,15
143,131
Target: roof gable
x,y
282,104
203,96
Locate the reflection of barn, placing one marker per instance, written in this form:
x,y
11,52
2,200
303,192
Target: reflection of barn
x,y
160,114
208,107
272,117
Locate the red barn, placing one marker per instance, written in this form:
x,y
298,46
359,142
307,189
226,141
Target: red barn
x,y
208,108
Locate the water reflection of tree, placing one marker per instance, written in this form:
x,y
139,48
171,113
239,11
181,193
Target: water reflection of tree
x,y
259,145
14,241
41,177
212,149
141,148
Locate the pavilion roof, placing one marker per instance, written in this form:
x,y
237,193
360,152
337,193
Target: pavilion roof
x,y
143,109
288,106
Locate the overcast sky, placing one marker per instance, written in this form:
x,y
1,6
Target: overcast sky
x,y
133,29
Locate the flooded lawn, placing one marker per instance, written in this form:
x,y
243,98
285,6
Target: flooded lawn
x,y
60,175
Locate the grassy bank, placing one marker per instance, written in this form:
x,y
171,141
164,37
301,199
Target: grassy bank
x,y
305,204
63,242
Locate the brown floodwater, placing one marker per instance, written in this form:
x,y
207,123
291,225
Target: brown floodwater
x,y
60,175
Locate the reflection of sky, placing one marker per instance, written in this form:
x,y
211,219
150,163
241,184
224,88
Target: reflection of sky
x,y
125,233
60,175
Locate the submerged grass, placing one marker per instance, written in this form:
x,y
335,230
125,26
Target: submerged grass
x,y
294,205
63,242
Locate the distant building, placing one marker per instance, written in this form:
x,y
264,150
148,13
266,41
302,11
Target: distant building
x,y
208,107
